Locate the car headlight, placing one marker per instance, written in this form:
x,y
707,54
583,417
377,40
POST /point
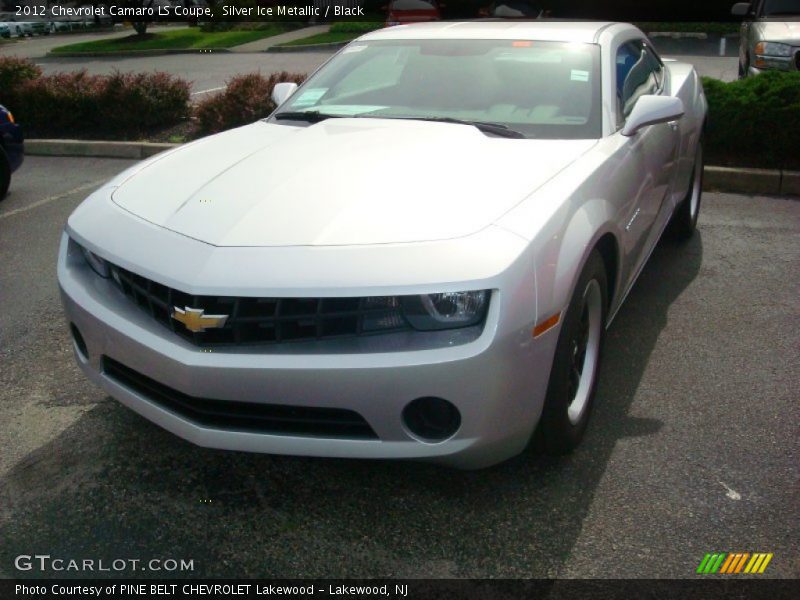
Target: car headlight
x,y
98,265
773,49
448,310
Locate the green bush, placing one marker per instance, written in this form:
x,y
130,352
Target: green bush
x,y
114,106
754,122
246,99
13,73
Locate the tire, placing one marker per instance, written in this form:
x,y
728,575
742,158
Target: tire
x,y
684,220
744,68
5,174
573,377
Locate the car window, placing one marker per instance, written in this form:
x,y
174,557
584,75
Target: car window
x,y
656,65
541,89
778,8
637,75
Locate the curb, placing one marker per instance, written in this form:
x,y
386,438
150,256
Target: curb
x,y
737,180
124,53
309,47
135,150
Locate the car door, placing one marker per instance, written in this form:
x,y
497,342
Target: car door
x,y
648,156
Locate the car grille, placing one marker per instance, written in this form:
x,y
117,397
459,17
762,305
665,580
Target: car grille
x,y
265,320
244,416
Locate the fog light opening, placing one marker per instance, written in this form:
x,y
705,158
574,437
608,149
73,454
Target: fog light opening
x,y
80,344
431,419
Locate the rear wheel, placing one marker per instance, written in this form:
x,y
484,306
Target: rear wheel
x,y
684,221
5,174
573,378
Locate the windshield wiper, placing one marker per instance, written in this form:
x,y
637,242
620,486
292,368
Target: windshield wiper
x,y
312,116
485,126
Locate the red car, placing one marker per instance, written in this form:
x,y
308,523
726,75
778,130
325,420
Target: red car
x,y
401,12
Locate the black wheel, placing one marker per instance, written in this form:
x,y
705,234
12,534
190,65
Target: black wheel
x,y
5,174
573,378
684,221
744,68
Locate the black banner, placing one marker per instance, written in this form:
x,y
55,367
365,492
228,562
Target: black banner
x,y
360,10
571,589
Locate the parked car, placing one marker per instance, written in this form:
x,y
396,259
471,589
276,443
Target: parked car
x,y
279,288
24,27
11,148
17,28
770,36
401,12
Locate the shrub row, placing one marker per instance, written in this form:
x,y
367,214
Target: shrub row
x,y
121,105
13,73
754,122
247,98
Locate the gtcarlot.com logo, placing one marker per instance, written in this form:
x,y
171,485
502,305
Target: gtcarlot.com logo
x,y
734,563
45,563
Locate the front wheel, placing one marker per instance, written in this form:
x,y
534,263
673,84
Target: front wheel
x,y
684,221
573,378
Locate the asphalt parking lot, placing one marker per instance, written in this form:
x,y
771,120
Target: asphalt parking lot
x,y
693,447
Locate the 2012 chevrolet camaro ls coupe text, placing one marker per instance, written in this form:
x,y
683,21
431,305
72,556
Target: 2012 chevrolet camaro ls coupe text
x,y
415,256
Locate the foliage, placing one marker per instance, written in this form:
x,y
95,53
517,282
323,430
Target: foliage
x,y
121,105
13,73
246,99
755,121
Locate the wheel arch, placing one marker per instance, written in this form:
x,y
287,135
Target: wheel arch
x,y
591,228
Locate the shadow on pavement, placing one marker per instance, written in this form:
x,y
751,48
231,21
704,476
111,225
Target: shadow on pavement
x,y
115,486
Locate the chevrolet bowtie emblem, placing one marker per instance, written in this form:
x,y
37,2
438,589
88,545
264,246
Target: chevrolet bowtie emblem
x,y
195,321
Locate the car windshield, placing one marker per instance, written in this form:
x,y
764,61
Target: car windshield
x,y
539,89
779,8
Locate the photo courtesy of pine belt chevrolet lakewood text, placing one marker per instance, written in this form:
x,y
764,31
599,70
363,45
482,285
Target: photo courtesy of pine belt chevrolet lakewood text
x,y
416,256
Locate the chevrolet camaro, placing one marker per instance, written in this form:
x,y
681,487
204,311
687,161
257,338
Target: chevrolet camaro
x,y
415,256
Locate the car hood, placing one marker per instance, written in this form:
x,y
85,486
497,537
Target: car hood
x,y
779,31
341,182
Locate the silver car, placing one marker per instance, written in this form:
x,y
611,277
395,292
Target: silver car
x,y
415,256
770,36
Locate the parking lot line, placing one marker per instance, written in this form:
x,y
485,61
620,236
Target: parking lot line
x,y
49,199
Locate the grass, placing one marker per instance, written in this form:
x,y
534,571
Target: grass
x,y
180,39
324,38
343,31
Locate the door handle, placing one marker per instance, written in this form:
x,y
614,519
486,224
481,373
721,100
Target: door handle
x,y
673,125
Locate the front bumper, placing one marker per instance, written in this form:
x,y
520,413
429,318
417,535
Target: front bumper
x,y
497,380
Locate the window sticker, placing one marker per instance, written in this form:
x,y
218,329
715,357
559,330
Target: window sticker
x,y
309,97
577,75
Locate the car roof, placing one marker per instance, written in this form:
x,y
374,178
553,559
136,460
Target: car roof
x,y
543,30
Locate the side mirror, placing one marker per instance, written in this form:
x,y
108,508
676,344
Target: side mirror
x,y
282,91
650,110
741,9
